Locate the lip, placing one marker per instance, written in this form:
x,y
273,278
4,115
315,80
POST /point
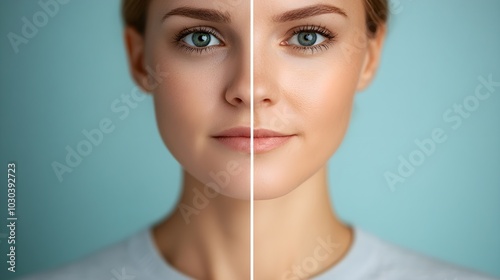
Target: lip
x,y
265,140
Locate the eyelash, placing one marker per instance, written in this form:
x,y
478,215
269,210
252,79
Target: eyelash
x,y
330,38
183,33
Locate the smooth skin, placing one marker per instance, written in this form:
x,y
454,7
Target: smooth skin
x,y
310,60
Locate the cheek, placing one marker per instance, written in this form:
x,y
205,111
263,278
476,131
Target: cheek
x,y
189,102
320,96
323,95
330,105
185,95
183,107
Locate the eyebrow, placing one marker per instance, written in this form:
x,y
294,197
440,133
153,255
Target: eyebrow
x,y
309,11
202,14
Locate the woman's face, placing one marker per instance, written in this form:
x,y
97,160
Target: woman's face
x,y
310,57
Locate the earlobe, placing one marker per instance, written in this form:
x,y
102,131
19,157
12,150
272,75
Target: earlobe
x,y
372,58
135,47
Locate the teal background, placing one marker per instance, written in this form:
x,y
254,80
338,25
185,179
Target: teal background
x,y
68,75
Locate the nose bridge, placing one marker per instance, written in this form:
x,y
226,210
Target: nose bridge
x,y
265,72
244,63
238,91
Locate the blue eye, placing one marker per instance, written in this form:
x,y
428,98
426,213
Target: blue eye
x,y
307,39
201,39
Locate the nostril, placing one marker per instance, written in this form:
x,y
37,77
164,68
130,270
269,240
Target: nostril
x,y
264,102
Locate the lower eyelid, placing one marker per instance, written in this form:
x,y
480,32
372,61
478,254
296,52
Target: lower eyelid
x,y
315,48
199,51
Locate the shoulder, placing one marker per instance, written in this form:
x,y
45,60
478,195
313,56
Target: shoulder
x,y
112,262
394,262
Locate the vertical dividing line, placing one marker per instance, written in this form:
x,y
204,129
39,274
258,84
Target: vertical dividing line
x,y
251,140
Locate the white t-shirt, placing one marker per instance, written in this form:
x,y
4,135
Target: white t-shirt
x,y
369,258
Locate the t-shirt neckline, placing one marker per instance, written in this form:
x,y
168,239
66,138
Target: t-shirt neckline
x,y
147,255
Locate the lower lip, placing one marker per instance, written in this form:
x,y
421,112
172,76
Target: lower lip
x,y
260,145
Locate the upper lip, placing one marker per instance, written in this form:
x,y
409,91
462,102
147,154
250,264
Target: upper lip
x,y
245,132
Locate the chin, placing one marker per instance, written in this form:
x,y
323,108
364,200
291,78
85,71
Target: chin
x,y
240,191
271,189
232,181
239,188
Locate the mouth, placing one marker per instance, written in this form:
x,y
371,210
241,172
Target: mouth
x,y
264,140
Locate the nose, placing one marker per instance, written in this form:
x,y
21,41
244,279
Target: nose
x,y
266,92
238,91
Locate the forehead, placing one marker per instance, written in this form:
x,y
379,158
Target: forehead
x,y
266,10
270,10
234,9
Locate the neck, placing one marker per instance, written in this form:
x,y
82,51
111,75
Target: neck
x,y
296,236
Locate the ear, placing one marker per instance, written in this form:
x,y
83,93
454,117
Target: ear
x,y
372,58
135,45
